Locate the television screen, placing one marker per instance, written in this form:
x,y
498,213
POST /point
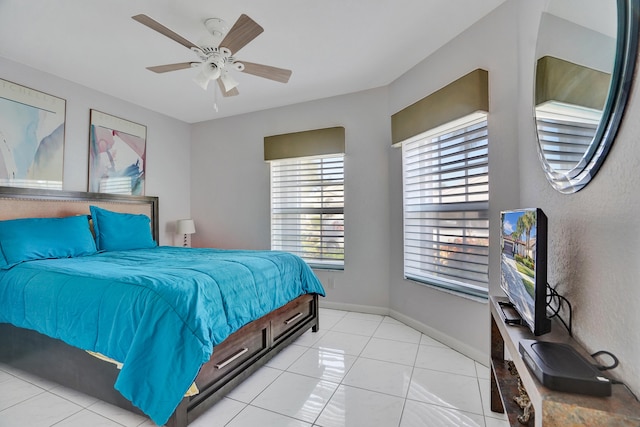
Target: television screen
x,y
524,265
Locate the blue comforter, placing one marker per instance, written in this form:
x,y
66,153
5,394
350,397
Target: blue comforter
x,y
160,311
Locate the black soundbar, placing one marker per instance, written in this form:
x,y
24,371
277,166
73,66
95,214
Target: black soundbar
x,y
560,367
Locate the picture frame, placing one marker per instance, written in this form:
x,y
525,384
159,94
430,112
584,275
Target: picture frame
x,y
32,135
117,155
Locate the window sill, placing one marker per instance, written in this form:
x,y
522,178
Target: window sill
x,y
326,267
470,294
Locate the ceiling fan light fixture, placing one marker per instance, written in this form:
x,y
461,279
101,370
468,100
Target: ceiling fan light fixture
x,y
208,72
201,80
228,81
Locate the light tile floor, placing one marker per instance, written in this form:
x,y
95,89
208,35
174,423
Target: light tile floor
x,y
359,370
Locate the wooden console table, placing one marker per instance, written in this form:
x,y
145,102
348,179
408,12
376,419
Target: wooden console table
x,y
552,408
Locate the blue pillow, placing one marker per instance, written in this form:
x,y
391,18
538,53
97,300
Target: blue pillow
x,y
120,231
43,238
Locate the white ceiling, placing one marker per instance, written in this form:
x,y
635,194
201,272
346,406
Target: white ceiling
x,y
333,46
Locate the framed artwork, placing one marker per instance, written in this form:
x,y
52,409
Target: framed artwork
x,y
32,128
117,155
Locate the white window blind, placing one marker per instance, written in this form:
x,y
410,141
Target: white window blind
x,y
31,183
565,133
116,185
307,209
446,201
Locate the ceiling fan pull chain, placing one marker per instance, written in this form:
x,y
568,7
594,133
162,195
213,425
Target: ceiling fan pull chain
x,y
215,98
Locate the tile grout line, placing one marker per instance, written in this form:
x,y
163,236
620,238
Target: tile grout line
x,y
346,373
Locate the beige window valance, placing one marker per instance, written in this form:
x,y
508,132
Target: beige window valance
x,y
318,142
563,81
464,96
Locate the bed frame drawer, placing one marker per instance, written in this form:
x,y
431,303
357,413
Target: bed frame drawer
x,y
237,351
290,316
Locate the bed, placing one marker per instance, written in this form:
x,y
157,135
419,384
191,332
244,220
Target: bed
x,y
170,329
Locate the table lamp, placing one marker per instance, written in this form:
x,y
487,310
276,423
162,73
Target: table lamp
x,y
185,226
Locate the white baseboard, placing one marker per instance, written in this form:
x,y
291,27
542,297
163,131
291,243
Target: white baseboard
x,y
369,309
460,346
471,352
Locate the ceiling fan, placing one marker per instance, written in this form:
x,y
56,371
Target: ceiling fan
x,y
215,53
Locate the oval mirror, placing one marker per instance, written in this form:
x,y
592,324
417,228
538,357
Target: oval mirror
x,y
585,57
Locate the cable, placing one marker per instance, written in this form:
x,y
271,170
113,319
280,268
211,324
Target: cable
x,y
553,297
615,364
625,386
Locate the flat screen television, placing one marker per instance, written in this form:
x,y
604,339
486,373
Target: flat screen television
x,y
524,265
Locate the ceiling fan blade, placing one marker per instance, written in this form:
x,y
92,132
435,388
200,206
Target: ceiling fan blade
x,y
243,31
170,67
155,25
272,73
231,92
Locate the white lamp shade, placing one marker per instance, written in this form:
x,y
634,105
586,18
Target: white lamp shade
x,y
208,72
228,81
185,226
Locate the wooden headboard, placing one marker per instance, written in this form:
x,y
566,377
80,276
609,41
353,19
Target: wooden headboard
x,y
35,203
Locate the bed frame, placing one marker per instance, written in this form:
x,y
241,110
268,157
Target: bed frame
x,y
233,360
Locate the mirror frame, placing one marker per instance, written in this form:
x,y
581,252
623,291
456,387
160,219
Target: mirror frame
x,y
621,79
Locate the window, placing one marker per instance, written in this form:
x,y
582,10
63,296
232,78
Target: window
x,y
446,201
307,209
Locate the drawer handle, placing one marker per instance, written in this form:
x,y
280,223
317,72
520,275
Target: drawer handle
x,y
231,359
293,319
